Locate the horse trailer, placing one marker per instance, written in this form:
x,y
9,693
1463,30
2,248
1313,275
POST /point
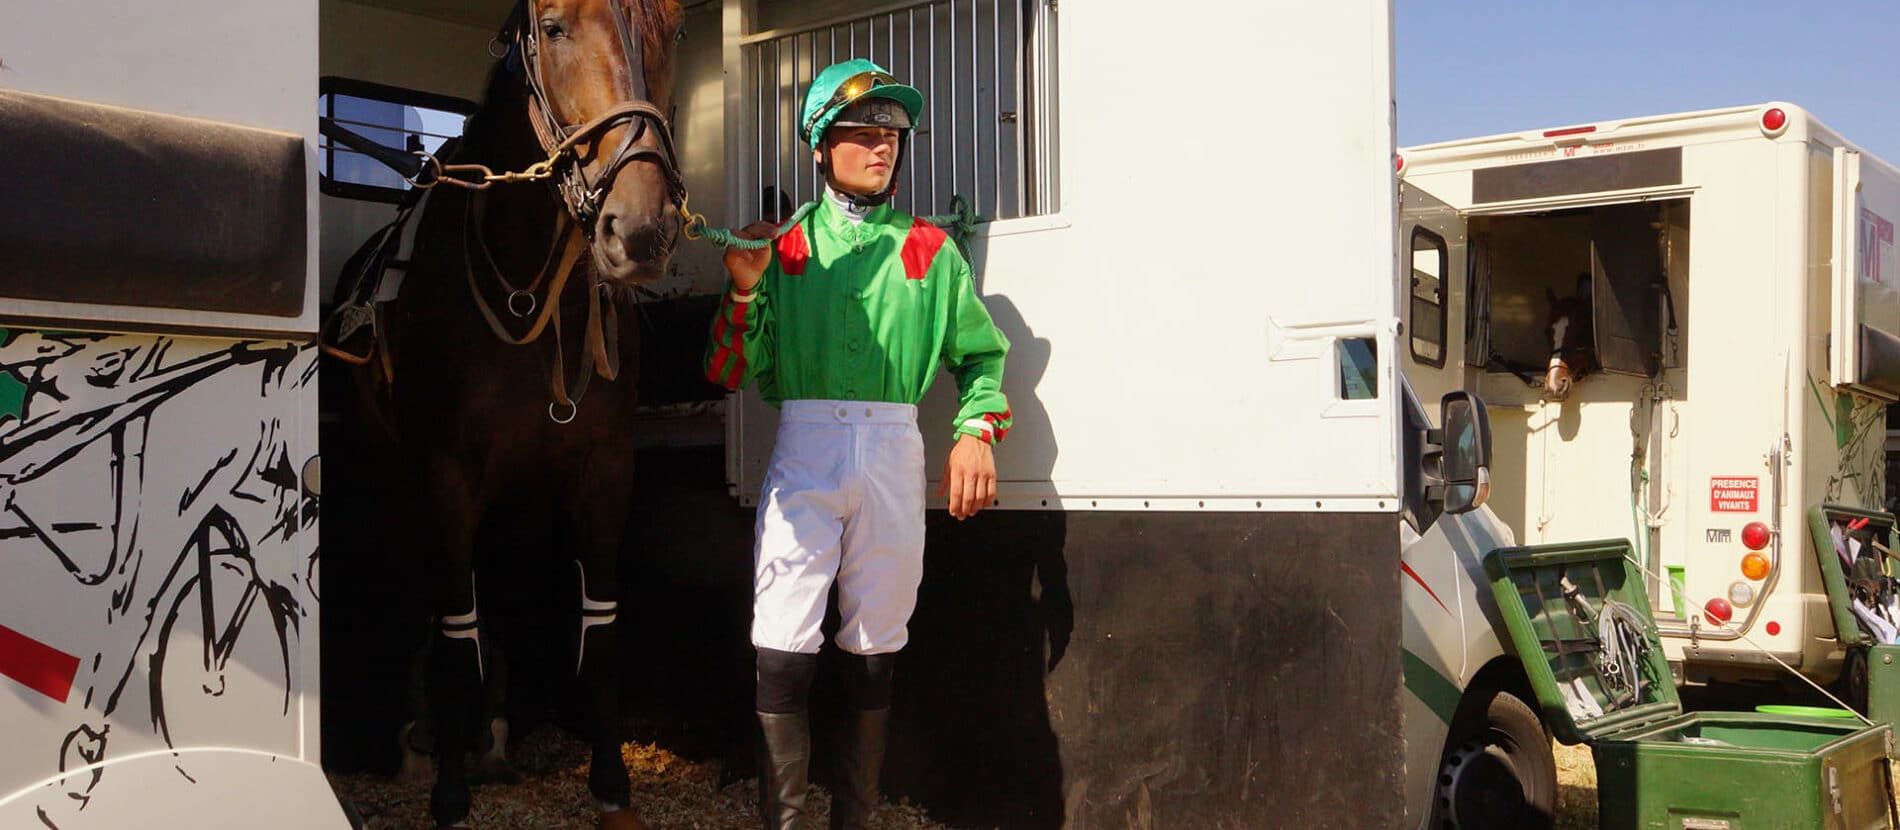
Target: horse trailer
x,y
1184,608
158,417
1729,277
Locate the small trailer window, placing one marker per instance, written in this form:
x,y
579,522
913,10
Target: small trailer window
x,y
1358,369
392,116
987,72
1426,311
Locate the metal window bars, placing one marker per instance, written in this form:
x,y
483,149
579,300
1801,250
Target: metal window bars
x,y
986,69
390,123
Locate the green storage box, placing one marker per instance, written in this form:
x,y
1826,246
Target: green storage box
x,y
1881,663
1659,768
1883,684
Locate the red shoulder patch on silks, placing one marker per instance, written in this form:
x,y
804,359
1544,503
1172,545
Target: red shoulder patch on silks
x,y
793,251
920,247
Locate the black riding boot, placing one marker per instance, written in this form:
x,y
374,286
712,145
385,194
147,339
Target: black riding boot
x,y
862,760
785,778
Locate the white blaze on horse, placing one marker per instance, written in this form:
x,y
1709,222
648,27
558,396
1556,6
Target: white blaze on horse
x,y
1571,335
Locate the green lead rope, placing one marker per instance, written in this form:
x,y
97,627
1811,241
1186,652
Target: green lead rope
x,y
959,222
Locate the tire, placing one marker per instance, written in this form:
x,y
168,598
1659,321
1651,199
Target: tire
x,y
1852,685
1498,770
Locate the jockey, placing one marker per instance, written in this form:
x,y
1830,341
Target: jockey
x,y
842,323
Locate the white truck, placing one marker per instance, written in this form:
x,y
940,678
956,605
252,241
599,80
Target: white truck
x,y
1736,277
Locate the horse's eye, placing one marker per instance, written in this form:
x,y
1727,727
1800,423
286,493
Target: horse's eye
x,y
551,29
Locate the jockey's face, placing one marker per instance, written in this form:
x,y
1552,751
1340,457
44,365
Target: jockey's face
x,y
863,159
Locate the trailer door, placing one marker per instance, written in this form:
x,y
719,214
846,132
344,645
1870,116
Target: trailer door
x,y
1432,343
158,416
1864,347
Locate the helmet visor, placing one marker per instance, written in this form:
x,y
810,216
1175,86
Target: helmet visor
x,y
853,88
874,111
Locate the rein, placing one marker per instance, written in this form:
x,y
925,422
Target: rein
x,y
960,222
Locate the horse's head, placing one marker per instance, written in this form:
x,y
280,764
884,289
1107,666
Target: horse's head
x,y
600,78
1572,344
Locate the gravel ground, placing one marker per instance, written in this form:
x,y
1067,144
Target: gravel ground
x,y
1576,788
676,794
673,793
669,792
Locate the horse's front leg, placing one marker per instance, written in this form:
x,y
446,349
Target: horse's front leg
x,y
445,528
600,519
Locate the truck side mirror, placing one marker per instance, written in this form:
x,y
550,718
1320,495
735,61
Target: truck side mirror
x,y
1467,452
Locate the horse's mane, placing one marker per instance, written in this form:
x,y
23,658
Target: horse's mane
x,y
654,18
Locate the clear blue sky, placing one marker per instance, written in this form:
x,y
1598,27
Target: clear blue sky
x,y
1478,67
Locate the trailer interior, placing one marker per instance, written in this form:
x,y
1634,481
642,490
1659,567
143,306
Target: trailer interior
x,y
1625,263
405,72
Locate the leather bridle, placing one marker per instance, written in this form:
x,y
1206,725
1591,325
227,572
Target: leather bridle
x,y
584,197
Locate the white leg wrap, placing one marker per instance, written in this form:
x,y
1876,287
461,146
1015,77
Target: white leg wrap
x,y
466,627
593,613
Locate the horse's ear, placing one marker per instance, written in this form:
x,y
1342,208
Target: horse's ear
x,y
1550,295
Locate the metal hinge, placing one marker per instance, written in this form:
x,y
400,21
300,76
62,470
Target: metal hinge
x,y
1834,787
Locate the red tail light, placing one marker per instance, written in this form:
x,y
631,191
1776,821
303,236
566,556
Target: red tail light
x,y
1719,610
1774,121
1755,536
1570,131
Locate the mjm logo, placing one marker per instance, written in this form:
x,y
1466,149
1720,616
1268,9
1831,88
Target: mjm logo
x,y
1717,534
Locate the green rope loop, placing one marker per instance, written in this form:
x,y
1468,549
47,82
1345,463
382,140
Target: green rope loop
x,y
959,222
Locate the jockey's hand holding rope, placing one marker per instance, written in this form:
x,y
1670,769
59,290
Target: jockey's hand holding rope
x,y
747,267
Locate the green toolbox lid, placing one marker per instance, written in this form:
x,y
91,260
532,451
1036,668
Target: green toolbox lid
x,y
1553,599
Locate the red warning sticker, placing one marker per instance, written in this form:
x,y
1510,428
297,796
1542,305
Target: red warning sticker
x,y
1735,494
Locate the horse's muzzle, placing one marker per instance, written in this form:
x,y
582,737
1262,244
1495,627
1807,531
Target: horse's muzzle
x,y
635,253
1558,379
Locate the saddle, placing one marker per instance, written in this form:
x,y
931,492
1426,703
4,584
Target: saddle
x,y
352,332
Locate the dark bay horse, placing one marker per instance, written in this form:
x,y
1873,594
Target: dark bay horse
x,y
1571,334
486,422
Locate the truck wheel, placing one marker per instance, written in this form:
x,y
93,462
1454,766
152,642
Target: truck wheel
x,y
1498,770
1852,685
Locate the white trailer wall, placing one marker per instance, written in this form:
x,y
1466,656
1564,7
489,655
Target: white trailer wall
x,y
1170,347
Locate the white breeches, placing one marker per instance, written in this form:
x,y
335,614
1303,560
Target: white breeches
x,y
843,499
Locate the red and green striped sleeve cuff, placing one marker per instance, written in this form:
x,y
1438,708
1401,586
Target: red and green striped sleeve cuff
x,y
991,427
725,352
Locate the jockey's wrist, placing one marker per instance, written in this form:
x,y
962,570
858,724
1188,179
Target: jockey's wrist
x,y
978,429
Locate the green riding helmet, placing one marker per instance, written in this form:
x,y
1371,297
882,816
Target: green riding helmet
x,y
839,86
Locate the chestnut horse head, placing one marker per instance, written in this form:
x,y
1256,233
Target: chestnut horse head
x,y
1571,334
599,78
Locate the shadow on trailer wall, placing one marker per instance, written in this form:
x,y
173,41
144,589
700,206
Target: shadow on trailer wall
x,y
1065,668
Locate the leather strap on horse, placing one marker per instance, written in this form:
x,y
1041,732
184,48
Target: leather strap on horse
x,y
600,354
571,243
601,349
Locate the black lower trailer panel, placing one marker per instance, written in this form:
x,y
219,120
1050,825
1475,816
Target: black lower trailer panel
x,y
1083,670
